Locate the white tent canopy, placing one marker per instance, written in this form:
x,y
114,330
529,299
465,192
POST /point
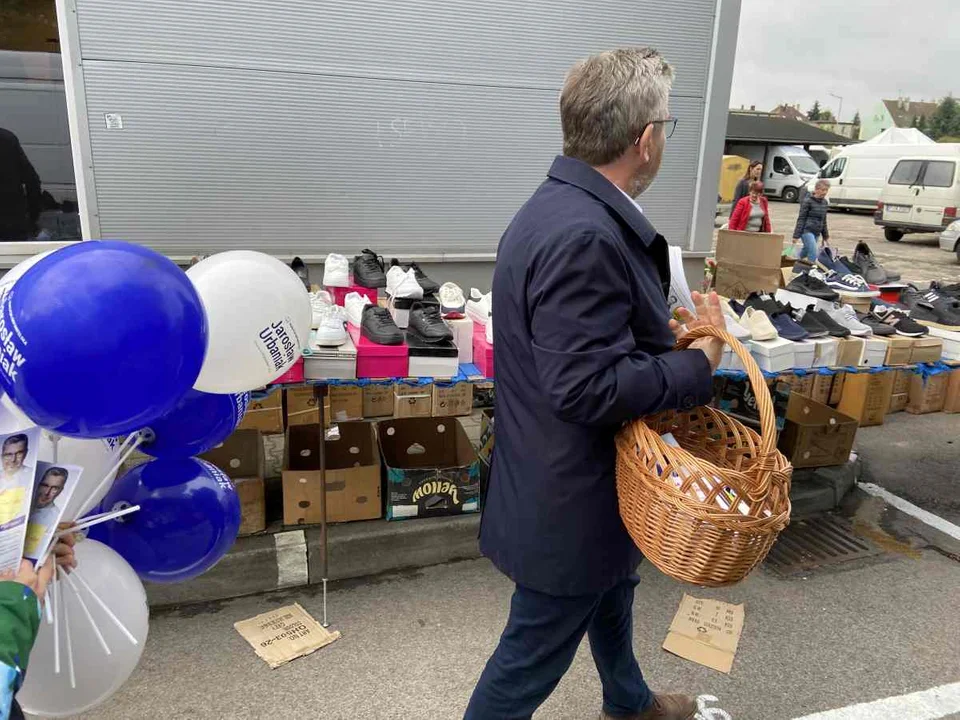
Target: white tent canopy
x,y
899,136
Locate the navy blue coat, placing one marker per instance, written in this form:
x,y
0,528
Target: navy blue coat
x,y
581,344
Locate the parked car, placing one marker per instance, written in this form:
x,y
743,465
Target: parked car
x,y
920,196
858,173
950,238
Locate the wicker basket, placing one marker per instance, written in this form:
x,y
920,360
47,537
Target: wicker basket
x,y
709,511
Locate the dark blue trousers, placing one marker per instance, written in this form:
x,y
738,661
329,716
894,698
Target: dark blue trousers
x,y
539,643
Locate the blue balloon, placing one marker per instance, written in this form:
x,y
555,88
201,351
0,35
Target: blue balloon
x,y
100,338
189,517
199,422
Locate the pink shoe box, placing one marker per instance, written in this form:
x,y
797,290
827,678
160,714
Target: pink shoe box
x,y
293,375
482,351
379,361
339,293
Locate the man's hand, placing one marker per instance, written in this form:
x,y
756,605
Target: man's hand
x,y
708,312
63,550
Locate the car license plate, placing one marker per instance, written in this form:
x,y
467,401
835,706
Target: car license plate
x,y
898,208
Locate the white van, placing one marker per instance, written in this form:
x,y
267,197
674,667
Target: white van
x,y
858,173
921,195
786,168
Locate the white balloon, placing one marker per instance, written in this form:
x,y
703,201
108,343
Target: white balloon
x,y
98,675
96,457
258,319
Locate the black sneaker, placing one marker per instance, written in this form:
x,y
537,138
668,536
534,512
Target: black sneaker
x,y
429,286
952,291
867,265
427,324
900,321
833,327
368,270
876,325
812,286
813,327
932,308
377,325
300,268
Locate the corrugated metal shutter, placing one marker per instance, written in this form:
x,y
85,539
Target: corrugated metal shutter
x,y
415,127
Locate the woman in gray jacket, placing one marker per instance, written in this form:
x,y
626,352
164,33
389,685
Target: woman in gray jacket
x,y
812,222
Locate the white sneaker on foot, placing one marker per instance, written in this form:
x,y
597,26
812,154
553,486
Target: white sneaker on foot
x,y
353,305
336,271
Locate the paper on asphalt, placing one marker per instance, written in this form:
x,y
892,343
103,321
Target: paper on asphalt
x,y
285,634
706,632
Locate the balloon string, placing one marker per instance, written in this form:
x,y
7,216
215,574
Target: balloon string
x,y
66,634
86,611
56,624
48,605
96,520
123,452
108,611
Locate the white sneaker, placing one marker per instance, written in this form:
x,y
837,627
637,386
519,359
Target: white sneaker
x,y
845,315
336,271
319,302
489,329
331,331
759,325
479,306
353,305
403,283
736,329
452,302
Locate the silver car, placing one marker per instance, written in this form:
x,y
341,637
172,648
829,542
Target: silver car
x,y
950,238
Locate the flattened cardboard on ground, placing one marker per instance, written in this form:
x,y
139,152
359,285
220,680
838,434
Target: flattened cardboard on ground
x,y
706,632
284,634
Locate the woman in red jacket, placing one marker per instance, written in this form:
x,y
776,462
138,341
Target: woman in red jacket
x,y
752,212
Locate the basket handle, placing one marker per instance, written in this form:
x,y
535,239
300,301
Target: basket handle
x,y
768,423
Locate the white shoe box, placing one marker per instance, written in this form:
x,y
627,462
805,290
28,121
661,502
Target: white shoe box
x,y
805,353
463,337
824,351
798,300
331,363
951,342
773,355
874,352
731,361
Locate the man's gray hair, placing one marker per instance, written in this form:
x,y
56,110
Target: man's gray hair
x,y
821,183
608,99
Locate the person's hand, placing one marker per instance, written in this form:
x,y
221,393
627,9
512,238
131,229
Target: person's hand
x,y
63,550
28,575
708,312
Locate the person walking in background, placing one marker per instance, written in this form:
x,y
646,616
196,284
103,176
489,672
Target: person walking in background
x,y
752,213
20,197
812,221
753,174
584,341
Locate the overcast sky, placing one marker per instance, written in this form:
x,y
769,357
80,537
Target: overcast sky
x,y
862,50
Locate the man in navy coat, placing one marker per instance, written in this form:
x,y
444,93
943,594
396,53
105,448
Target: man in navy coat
x,y
583,340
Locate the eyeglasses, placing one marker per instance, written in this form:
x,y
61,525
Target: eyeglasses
x,y
669,125
14,454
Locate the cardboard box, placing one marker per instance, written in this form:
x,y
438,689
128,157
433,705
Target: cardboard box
x,y
378,400
353,475
432,469
928,393
816,435
284,634
452,399
898,402
926,350
825,351
462,329
706,632
747,262
735,397
899,350
485,451
836,389
822,386
330,363
951,343
874,352
346,403
412,400
799,384
241,457
773,355
951,403
860,304
302,408
804,355
849,352
901,381
264,414
866,397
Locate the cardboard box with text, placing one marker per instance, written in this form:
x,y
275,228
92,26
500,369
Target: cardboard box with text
x,y
866,397
816,435
264,414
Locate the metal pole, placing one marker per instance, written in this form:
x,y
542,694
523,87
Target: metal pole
x,y
840,108
320,392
